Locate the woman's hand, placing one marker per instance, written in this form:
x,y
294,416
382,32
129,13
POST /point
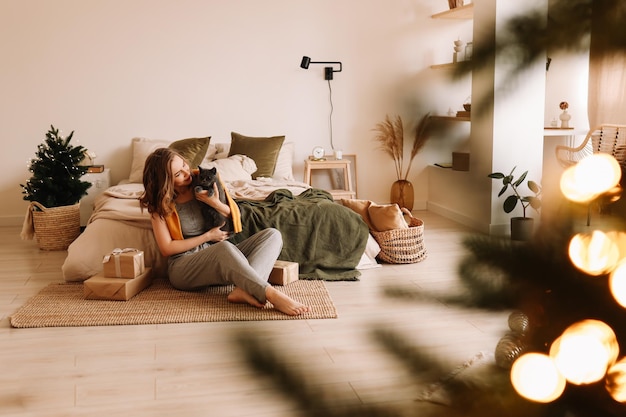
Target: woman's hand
x,y
214,200
216,234
211,200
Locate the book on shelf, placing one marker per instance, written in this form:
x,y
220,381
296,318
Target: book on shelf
x,y
462,113
95,169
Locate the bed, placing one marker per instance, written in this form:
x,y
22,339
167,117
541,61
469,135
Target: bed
x,y
328,240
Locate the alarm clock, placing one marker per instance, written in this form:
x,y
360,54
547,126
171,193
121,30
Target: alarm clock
x,y
318,154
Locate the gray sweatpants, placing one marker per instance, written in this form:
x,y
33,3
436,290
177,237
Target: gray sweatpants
x,y
247,265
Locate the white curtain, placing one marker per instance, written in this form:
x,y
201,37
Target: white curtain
x,y
607,66
607,89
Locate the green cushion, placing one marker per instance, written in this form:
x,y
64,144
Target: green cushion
x,y
262,150
192,149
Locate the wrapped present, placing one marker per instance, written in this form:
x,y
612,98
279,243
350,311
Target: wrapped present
x,y
284,272
100,287
123,263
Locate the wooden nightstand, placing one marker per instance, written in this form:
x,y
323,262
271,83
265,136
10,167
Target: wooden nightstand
x,y
100,181
330,163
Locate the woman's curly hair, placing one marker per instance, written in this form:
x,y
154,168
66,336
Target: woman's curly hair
x,y
159,194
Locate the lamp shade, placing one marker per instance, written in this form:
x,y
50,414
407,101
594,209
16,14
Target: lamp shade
x,y
305,62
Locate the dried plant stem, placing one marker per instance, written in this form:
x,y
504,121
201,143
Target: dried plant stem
x,y
421,136
391,138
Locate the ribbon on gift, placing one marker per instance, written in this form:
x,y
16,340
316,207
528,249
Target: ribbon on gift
x,y
115,253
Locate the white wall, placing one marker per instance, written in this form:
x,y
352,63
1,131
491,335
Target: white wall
x,y
114,69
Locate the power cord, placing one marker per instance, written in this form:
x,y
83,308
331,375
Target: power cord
x,y
330,116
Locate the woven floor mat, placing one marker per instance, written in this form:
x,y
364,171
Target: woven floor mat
x,y
63,305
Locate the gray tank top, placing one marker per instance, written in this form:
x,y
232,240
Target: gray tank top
x,y
191,219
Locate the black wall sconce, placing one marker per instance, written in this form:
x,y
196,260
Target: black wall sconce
x,y
328,71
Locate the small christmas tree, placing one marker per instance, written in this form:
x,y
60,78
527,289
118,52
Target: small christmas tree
x,y
56,179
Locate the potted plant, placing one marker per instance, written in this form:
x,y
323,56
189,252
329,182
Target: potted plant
x,y
521,227
55,190
391,138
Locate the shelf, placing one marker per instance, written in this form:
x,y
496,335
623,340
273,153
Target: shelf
x,y
453,65
465,12
449,65
451,118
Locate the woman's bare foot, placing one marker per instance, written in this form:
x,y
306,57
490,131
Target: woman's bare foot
x,y
284,303
239,296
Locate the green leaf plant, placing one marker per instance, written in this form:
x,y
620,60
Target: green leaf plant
x,y
511,201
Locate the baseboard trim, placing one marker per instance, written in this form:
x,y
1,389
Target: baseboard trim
x,y
459,218
9,221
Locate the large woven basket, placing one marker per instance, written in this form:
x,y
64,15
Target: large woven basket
x,y
402,246
55,227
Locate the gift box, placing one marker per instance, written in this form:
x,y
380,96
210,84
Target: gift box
x,y
283,273
100,287
123,263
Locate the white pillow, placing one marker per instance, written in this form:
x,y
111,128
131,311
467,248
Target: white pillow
x,y
284,161
233,168
141,148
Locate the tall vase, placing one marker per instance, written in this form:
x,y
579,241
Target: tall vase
x,y
402,194
565,118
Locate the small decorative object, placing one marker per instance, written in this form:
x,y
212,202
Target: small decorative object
x,y
508,349
338,154
467,104
518,322
455,3
391,138
521,227
458,49
469,50
55,190
565,116
318,154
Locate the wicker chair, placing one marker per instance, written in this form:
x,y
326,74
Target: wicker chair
x,y
606,138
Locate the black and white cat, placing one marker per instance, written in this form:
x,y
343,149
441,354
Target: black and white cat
x,y
205,180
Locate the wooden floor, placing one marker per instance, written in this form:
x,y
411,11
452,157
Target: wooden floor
x,y
196,370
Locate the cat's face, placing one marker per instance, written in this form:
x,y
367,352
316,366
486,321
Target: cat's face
x,y
205,180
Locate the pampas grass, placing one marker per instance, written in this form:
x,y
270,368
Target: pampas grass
x,y
391,139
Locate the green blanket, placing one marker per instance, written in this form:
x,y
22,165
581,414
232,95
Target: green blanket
x,y
326,239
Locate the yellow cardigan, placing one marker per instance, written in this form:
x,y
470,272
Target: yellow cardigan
x,y
173,221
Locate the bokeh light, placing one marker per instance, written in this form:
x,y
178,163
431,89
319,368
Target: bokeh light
x,y
585,351
616,381
535,377
617,283
591,177
594,253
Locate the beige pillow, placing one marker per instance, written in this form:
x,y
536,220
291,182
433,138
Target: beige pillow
x,y
360,207
141,148
386,217
233,168
284,163
264,151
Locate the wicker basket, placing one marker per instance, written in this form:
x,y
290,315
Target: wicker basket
x,y
402,246
56,227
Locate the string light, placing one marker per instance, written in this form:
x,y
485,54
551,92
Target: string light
x,y
535,377
591,177
585,351
594,253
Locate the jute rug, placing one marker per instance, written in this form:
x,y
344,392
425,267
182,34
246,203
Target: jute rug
x,y
63,305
